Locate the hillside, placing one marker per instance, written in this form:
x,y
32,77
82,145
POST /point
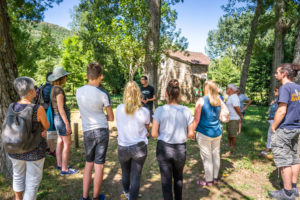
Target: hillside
x,y
58,32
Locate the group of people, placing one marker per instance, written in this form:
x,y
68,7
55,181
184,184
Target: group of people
x,y
172,125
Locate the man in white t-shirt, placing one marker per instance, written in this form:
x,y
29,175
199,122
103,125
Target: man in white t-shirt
x,y
233,105
92,101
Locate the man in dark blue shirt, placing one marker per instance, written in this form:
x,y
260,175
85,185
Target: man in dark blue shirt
x,y
286,130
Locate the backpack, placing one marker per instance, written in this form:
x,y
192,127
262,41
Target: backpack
x,y
41,97
50,115
20,134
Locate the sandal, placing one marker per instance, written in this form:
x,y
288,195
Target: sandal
x,y
205,183
215,181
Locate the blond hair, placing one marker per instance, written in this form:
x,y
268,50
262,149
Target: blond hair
x,y
211,90
132,97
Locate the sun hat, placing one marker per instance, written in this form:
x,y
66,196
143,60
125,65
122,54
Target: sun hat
x,y
57,73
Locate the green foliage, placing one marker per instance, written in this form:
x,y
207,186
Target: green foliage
x,y
230,40
223,71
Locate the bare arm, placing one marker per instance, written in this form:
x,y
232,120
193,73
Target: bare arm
x,y
147,100
247,105
110,113
62,112
191,134
279,115
42,118
155,126
198,109
238,110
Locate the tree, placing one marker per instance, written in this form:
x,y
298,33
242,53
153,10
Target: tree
x,y
250,45
297,53
152,42
282,25
8,72
18,10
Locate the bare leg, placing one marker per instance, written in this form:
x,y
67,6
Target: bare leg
x,y
240,125
286,174
233,139
98,178
50,144
19,195
87,176
59,148
66,152
295,171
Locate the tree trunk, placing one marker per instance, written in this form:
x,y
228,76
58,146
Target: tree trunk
x,y
152,42
297,54
250,45
8,72
278,54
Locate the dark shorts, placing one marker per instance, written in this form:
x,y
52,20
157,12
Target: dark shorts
x,y
284,143
232,128
95,145
60,125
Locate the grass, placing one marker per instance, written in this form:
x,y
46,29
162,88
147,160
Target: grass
x,y
244,174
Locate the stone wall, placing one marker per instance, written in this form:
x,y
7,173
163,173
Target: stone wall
x,y
189,76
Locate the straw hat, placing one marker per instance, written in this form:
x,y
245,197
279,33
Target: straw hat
x,y
57,73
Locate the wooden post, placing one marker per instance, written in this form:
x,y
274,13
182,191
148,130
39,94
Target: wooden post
x,y
76,135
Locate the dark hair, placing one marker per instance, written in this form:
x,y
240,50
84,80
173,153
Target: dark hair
x,y
144,77
47,75
173,90
277,87
94,70
290,69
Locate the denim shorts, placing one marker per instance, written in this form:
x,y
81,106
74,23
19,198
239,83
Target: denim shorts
x,y
60,125
95,145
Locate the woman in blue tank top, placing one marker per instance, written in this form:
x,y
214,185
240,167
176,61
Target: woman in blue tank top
x,y
209,131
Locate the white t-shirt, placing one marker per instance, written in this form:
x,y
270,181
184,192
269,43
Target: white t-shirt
x,y
232,102
91,100
131,128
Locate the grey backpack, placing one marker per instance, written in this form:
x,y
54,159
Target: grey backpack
x,y
20,133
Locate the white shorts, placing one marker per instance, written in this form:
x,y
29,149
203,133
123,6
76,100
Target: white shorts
x,y
51,135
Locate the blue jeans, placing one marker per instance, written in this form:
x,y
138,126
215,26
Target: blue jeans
x,y
60,125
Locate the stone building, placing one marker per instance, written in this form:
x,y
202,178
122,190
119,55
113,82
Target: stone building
x,y
190,68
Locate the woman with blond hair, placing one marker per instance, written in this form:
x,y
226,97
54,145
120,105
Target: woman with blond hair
x,y
132,124
209,131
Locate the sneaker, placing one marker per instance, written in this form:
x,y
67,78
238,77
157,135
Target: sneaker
x,y
101,197
125,196
69,172
280,195
82,198
53,154
296,192
59,168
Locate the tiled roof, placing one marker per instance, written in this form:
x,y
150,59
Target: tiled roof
x,y
196,58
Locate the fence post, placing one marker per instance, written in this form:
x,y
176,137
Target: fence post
x,y
76,135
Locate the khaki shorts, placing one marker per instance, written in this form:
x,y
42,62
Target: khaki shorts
x,y
232,128
51,135
284,143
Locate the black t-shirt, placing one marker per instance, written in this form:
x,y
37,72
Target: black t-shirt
x,y
289,93
148,93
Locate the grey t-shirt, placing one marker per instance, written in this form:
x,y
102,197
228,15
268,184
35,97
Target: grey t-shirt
x,y
173,123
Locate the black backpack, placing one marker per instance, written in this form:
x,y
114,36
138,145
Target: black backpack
x,y
20,134
39,99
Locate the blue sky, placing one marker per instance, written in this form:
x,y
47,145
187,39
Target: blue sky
x,y
195,18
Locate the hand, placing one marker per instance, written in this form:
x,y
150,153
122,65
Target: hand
x,y
243,109
147,134
146,101
192,137
68,129
273,129
44,134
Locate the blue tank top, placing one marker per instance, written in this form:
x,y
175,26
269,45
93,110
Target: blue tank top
x,y
209,123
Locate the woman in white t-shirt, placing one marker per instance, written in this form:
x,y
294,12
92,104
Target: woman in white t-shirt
x,y
132,124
